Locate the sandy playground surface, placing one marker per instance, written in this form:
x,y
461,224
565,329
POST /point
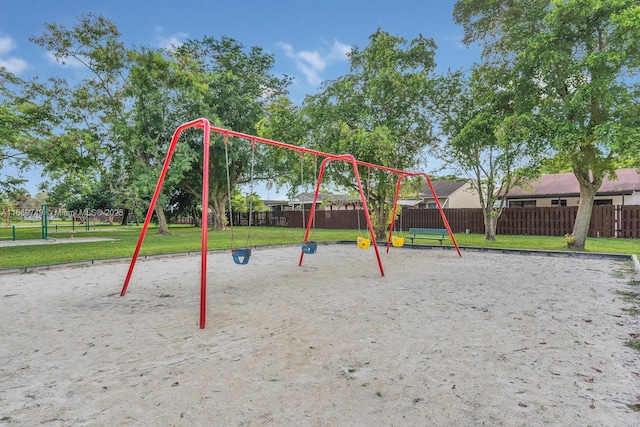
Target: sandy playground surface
x,y
486,339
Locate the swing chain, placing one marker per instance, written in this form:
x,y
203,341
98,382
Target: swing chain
x,y
251,190
226,158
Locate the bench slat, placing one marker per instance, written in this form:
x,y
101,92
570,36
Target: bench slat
x,y
422,233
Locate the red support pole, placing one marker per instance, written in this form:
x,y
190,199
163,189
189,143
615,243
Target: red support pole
x,y
372,234
444,218
200,123
154,199
313,205
205,225
346,158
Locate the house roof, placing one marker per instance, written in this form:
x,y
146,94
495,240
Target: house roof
x,y
275,202
409,203
566,184
442,187
324,197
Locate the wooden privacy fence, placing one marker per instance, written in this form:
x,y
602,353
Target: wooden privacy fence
x,y
628,221
606,220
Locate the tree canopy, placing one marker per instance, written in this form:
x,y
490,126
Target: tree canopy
x,y
575,62
488,138
380,113
122,115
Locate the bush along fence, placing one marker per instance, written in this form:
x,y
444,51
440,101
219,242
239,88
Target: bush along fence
x,y
606,220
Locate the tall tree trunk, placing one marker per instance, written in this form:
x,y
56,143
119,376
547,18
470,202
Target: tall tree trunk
x,y
195,216
163,228
588,192
218,210
379,221
490,223
125,217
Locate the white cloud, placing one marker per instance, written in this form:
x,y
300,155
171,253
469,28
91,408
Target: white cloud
x,y
314,59
340,51
12,64
169,42
6,45
313,62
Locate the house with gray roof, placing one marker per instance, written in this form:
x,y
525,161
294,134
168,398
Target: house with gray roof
x,y
451,194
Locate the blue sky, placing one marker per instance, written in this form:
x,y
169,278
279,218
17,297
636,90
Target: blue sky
x,y
309,40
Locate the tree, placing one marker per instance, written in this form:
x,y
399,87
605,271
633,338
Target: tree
x,y
127,108
230,86
20,127
245,203
488,140
284,121
27,116
380,113
576,59
154,90
115,117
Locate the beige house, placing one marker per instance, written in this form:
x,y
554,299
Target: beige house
x,y
451,193
561,189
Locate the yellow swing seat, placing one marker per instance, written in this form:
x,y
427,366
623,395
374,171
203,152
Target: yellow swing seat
x,y
397,241
363,243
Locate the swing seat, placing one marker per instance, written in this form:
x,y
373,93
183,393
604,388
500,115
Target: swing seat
x,y
309,247
397,242
363,243
241,256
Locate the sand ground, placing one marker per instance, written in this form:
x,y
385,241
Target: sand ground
x,y
486,339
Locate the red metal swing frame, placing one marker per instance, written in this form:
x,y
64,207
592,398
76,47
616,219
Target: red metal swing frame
x,y
203,124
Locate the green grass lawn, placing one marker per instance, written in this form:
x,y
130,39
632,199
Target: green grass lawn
x,y
187,239
181,239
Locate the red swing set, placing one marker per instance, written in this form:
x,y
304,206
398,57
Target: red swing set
x,y
203,124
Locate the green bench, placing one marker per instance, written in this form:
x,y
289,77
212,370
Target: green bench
x,y
428,234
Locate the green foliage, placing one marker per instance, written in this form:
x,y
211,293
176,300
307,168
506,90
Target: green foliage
x,y
20,128
570,240
118,121
379,112
412,186
489,139
636,345
285,122
573,64
230,86
242,203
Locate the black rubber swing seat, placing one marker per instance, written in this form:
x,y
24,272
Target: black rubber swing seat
x,y
309,247
241,256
